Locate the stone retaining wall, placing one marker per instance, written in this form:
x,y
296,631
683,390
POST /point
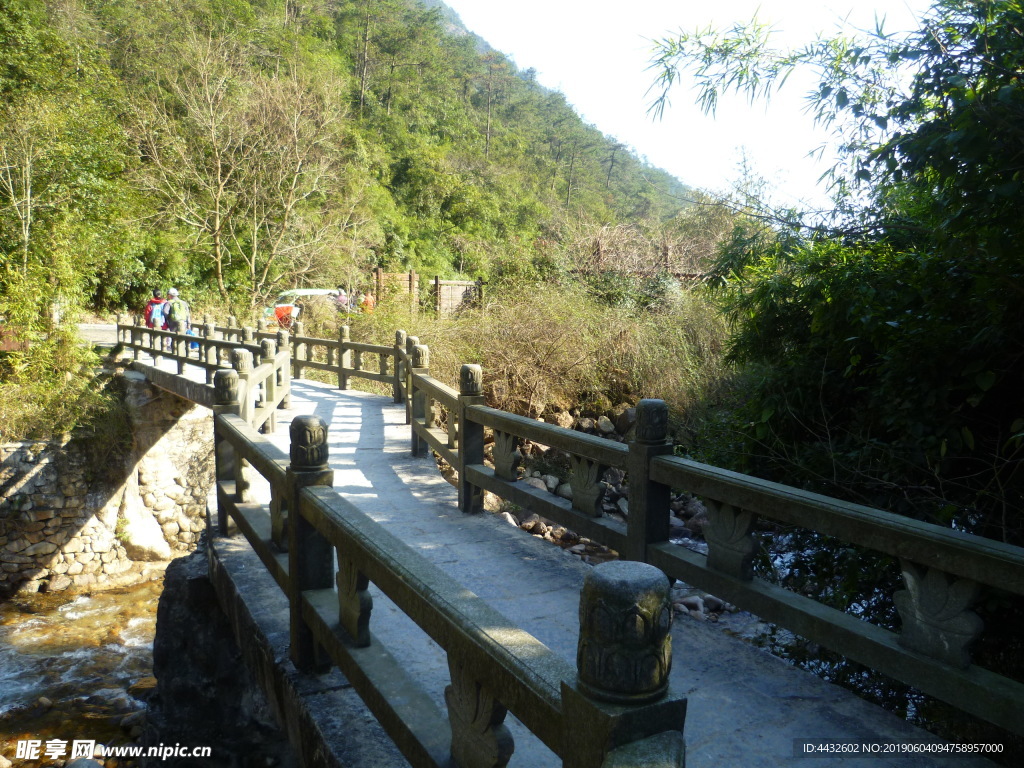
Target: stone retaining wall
x,y
63,525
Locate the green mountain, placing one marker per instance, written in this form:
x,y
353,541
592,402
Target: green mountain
x,y
236,148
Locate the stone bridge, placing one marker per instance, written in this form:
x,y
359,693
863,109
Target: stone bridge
x,y
339,546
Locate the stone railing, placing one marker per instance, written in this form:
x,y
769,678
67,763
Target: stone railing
x,y
944,571
613,709
263,365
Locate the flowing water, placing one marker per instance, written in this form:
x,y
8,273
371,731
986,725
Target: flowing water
x,y
67,663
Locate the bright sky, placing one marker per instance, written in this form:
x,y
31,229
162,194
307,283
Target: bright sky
x,y
597,52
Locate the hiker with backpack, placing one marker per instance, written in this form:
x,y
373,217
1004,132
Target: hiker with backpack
x,y
177,312
154,312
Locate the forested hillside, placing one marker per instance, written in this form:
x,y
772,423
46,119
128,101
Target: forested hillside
x,y
237,148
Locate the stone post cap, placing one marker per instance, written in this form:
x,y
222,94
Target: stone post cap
x,y
267,349
410,343
400,337
651,421
308,450
346,333
421,356
241,360
225,385
625,650
471,380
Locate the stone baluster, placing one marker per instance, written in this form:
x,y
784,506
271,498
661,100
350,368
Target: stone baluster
x,y
621,709
399,371
261,325
471,436
507,457
936,612
648,502
480,738
248,335
268,351
732,543
310,555
225,385
344,356
233,332
354,601
587,488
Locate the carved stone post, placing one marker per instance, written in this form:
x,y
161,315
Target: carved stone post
x,y
648,502
136,338
410,345
180,342
261,325
298,351
241,362
420,402
232,333
248,335
471,436
268,351
344,356
621,709
310,555
225,385
207,351
283,374
480,738
399,372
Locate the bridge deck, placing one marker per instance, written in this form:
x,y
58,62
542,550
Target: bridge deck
x,y
745,706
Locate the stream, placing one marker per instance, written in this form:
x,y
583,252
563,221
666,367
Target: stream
x,y
75,667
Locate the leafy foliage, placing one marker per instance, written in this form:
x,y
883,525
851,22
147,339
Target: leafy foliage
x,y
887,344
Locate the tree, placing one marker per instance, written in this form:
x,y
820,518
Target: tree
x,y
62,162
249,162
888,342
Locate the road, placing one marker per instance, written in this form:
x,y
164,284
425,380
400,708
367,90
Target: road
x,y
98,333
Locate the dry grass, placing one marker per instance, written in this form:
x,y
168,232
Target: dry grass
x,y
553,348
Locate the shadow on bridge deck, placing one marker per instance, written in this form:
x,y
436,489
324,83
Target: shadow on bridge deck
x,y
745,707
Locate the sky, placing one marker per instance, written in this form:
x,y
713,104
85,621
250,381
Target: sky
x,y
597,52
